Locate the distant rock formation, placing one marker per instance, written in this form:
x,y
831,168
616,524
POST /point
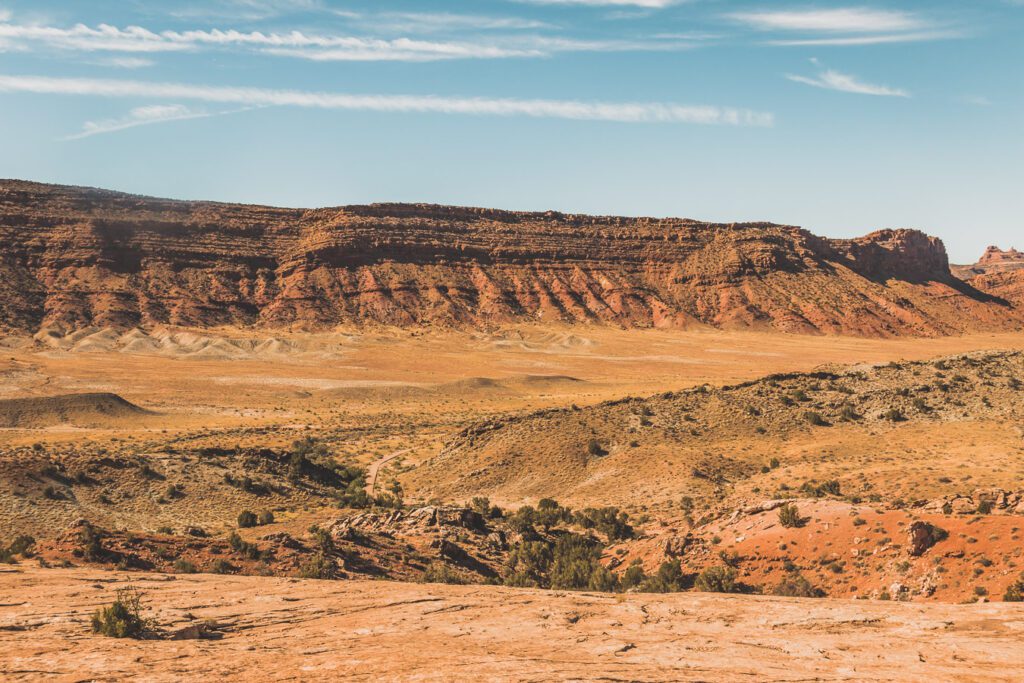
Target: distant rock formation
x,y
997,272
75,257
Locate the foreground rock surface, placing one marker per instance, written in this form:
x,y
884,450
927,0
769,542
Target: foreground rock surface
x,y
278,629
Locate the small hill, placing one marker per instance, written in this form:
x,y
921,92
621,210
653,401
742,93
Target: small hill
x,y
80,410
712,442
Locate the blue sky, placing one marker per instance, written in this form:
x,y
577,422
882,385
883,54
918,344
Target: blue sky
x,y
839,117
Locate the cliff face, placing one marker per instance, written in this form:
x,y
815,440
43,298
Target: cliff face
x,y
994,260
998,272
72,257
994,257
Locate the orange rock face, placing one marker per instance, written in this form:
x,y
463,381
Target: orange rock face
x,y
73,257
998,272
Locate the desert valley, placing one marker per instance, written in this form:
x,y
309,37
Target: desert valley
x,y
438,443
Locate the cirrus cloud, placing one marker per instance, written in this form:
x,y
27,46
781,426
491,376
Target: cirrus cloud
x,y
830,79
316,47
622,112
844,26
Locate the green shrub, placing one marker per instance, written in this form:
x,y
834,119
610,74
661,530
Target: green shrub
x,y
634,576
323,539
789,516
720,579
848,414
601,579
825,488
796,586
92,544
221,566
529,563
439,572
610,521
523,519
549,514
574,560
183,566
668,579
247,550
815,419
22,545
521,580
318,566
355,495
122,619
247,519
1015,591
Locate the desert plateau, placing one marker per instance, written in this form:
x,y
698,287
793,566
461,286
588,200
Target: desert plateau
x,y
293,444
511,341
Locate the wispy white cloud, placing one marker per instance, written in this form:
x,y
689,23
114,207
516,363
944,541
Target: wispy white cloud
x,y
248,10
627,112
837,20
977,100
649,4
845,26
139,40
439,22
140,116
125,62
831,79
5,14
876,39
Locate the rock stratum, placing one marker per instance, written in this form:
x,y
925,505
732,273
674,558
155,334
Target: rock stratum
x,y
76,257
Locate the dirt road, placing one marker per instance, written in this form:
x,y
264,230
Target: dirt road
x,y
374,468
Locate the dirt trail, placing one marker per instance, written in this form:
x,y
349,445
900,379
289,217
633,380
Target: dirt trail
x,y
281,629
375,467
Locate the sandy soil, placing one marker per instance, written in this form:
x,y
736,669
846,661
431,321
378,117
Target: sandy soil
x,y
275,629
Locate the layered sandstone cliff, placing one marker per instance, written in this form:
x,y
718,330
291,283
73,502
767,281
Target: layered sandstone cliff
x,y
72,257
999,272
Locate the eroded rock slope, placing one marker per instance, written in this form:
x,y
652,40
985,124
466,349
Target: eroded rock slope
x,y
73,257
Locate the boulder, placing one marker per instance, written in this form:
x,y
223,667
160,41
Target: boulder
x,y
922,536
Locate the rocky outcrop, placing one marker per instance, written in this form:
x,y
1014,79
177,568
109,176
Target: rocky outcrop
x,y
425,519
922,536
908,255
986,501
994,260
74,257
998,272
